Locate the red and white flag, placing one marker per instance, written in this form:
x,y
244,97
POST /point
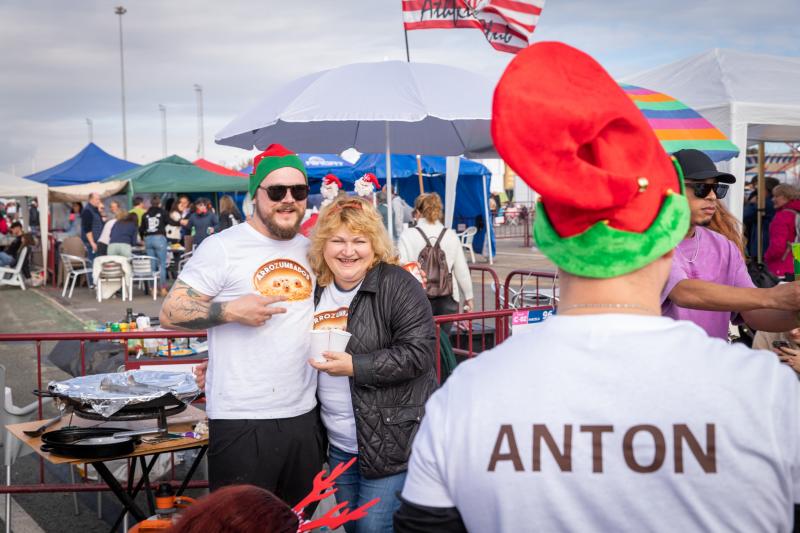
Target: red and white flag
x,y
507,24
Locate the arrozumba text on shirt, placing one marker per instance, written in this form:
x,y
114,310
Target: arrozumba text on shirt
x,y
330,315
274,265
506,448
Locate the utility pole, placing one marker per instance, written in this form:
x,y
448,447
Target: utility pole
x,y
163,129
200,145
119,10
91,132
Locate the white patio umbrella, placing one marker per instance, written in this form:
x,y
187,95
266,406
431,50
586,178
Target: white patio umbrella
x,y
391,106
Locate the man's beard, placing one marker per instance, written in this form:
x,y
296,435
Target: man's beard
x,y
278,231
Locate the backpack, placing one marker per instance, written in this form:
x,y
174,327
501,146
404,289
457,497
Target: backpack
x,y
433,262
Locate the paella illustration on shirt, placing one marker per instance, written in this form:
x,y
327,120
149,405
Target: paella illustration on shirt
x,y
283,277
335,319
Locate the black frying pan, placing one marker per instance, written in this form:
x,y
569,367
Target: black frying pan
x,y
78,443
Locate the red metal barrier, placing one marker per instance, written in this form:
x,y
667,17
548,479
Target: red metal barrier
x,y
488,338
495,283
530,291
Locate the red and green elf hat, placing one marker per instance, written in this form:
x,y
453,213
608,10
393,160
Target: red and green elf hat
x,y
611,198
273,158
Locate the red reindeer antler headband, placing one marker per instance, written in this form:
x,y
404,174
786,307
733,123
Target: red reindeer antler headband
x,y
324,487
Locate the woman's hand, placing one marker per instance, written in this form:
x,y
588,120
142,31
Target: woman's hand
x,y
469,305
790,356
336,364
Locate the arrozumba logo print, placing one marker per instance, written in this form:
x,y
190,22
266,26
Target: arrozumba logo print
x,y
283,277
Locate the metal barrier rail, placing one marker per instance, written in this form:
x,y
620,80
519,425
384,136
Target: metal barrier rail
x,y
529,291
499,316
38,338
487,271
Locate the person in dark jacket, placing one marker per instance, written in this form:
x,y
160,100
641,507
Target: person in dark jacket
x,y
372,394
203,221
123,235
91,228
782,231
153,231
8,257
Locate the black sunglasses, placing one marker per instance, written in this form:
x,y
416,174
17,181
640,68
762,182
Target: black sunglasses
x,y
701,190
277,193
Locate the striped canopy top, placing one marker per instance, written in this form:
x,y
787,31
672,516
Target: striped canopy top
x,y
678,126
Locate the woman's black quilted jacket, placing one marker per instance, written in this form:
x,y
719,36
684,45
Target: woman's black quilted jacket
x,y
393,347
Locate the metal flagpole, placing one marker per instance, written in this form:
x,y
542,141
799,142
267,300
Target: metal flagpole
x,y
119,10
163,129
419,158
389,215
488,224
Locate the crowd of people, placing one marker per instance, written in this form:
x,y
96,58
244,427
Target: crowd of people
x,y
627,410
150,226
15,238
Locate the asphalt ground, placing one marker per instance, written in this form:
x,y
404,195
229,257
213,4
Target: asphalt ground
x,y
45,310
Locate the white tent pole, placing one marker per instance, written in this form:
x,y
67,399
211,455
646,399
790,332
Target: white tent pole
x,y
389,215
452,165
488,221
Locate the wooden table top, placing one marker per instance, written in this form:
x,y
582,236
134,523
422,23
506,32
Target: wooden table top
x,y
180,423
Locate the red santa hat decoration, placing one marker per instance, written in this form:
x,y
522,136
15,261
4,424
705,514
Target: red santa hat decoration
x,y
367,185
329,189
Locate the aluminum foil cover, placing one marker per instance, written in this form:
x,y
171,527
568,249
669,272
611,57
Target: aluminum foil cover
x,y
108,393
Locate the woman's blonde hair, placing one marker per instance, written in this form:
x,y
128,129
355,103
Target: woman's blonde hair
x,y
226,204
358,216
429,206
724,223
787,191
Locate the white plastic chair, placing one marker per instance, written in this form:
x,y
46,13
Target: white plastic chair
x,y
116,274
466,240
142,269
184,259
71,273
12,447
13,276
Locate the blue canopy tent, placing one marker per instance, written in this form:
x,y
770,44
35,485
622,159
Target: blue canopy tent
x,y
473,181
89,165
320,165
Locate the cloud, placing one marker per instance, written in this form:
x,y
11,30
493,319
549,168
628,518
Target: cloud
x,y
63,64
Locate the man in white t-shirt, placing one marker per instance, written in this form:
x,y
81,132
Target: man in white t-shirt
x,y
252,287
608,417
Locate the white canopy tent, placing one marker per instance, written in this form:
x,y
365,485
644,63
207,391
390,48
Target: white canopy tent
x,y
749,97
12,186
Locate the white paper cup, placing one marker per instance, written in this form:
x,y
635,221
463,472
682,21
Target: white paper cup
x,y
338,340
319,344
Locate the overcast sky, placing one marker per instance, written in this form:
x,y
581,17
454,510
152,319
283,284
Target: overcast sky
x,y
59,60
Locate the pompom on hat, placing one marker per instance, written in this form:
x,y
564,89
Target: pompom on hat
x,y
271,159
611,198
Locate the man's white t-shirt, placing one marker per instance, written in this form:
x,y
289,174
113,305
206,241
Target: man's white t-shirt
x,y
336,402
257,372
613,423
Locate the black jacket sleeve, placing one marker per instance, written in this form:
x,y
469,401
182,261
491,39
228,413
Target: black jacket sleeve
x,y
413,336
412,518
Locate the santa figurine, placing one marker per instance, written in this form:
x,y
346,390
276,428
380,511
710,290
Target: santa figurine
x,y
366,185
329,189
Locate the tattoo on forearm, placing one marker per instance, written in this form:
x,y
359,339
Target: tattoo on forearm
x,y
188,309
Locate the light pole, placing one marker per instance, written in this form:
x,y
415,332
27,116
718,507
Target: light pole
x,y
200,146
119,10
163,129
91,132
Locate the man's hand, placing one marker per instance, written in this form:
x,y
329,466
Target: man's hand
x,y
187,308
253,309
336,364
200,375
785,296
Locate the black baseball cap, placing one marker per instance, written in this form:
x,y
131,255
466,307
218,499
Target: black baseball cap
x,y
696,165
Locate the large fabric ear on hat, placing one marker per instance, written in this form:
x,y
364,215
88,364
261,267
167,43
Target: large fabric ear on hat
x,y
610,200
271,159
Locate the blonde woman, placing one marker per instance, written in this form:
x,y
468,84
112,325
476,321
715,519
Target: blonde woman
x,y
429,229
229,214
372,395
